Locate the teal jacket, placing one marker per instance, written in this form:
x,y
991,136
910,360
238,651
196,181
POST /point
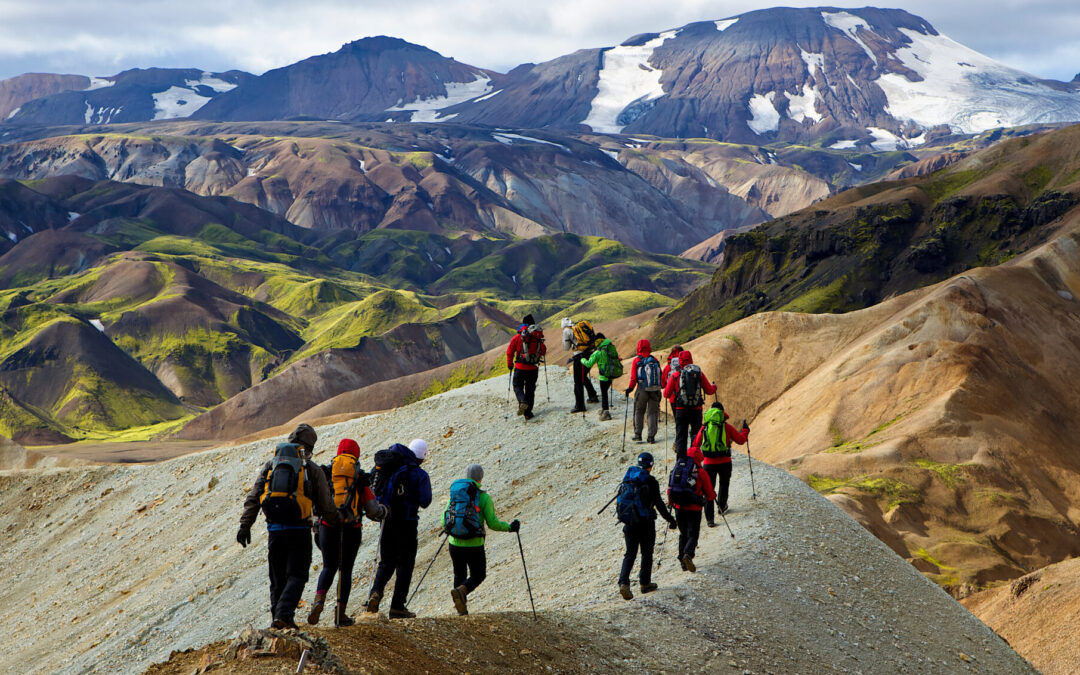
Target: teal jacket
x,y
487,510
599,359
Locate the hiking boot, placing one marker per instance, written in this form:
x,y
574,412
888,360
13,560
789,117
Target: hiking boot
x,y
724,510
605,416
636,438
648,588
528,415
400,613
577,410
711,523
373,601
651,440
522,407
688,564
682,561
340,617
316,609
592,399
624,591
283,624
458,595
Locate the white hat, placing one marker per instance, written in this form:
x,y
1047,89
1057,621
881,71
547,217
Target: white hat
x,y
567,322
418,447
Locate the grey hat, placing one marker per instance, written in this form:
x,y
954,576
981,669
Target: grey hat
x,y
474,472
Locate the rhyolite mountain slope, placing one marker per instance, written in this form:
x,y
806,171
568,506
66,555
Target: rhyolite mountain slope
x,y
136,95
15,91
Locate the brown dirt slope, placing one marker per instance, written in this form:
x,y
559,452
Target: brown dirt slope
x,y
1039,614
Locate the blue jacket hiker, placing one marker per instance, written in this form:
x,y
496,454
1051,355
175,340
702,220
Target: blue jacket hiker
x,y
467,511
639,500
399,483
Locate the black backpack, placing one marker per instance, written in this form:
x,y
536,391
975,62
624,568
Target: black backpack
x,y
632,503
690,393
389,465
683,482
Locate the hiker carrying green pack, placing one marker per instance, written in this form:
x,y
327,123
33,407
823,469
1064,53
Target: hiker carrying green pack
x,y
467,511
609,367
714,441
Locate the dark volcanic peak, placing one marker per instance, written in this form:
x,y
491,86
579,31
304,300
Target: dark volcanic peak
x,y
373,79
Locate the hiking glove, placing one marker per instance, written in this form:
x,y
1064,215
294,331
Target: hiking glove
x,y
672,525
745,426
627,392
515,526
243,537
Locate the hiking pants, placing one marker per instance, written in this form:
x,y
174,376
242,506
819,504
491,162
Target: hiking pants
x,y
470,566
605,387
581,381
720,475
525,387
646,403
642,535
397,553
289,554
334,541
689,529
687,424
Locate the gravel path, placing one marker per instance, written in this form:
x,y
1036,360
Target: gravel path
x,y
111,568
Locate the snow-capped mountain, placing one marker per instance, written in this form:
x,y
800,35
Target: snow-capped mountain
x,y
137,95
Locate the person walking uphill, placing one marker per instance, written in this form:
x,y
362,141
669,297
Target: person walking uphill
x,y
467,509
608,367
689,489
687,395
524,355
713,442
645,374
288,489
579,338
399,483
339,544
638,503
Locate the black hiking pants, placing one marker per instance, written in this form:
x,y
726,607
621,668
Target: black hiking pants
x,y
470,566
643,536
397,553
525,387
646,405
289,554
338,542
605,387
720,475
689,528
581,381
687,424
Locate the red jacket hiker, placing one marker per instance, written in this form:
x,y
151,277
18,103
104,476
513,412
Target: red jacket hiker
x,y
644,348
515,351
675,351
734,435
671,389
704,486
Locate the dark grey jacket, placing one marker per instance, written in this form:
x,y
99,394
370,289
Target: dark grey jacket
x,y
315,488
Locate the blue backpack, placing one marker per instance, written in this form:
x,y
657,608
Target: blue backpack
x,y
648,374
683,482
462,517
632,503
386,476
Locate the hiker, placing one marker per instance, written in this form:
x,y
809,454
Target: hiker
x,y
523,355
671,364
645,374
579,339
399,483
288,488
689,488
608,367
638,503
687,395
713,442
340,543
467,509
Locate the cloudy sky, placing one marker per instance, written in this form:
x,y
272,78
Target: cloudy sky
x,y
106,36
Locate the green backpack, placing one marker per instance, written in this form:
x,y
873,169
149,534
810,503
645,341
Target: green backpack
x,y
611,368
714,440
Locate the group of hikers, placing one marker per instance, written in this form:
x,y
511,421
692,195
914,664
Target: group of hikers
x,y
301,499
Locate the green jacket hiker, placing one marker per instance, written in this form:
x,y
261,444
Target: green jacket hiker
x,y
608,367
487,515
599,358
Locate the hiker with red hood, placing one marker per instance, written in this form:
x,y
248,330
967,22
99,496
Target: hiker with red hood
x,y
686,391
689,489
645,374
340,543
713,443
524,355
672,364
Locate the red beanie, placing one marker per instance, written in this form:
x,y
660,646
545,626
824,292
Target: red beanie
x,y
348,446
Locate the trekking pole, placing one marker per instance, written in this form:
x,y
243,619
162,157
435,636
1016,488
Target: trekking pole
x,y
527,584
626,413
341,567
378,552
415,590
509,381
725,522
665,429
753,490
547,387
611,500
660,558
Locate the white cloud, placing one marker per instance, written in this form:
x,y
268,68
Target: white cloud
x,y
106,36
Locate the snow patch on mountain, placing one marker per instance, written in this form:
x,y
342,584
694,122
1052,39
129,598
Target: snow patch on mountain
x,y
14,112
814,62
487,96
885,140
428,109
625,78
804,106
99,83
508,139
850,25
208,80
724,24
177,102
96,323
764,118
969,92
842,145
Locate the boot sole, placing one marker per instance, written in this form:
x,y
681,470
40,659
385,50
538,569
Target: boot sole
x,y
373,602
459,602
314,614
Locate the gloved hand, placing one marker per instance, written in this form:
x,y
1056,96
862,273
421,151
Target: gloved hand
x,y
745,426
243,536
672,525
515,526
627,392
